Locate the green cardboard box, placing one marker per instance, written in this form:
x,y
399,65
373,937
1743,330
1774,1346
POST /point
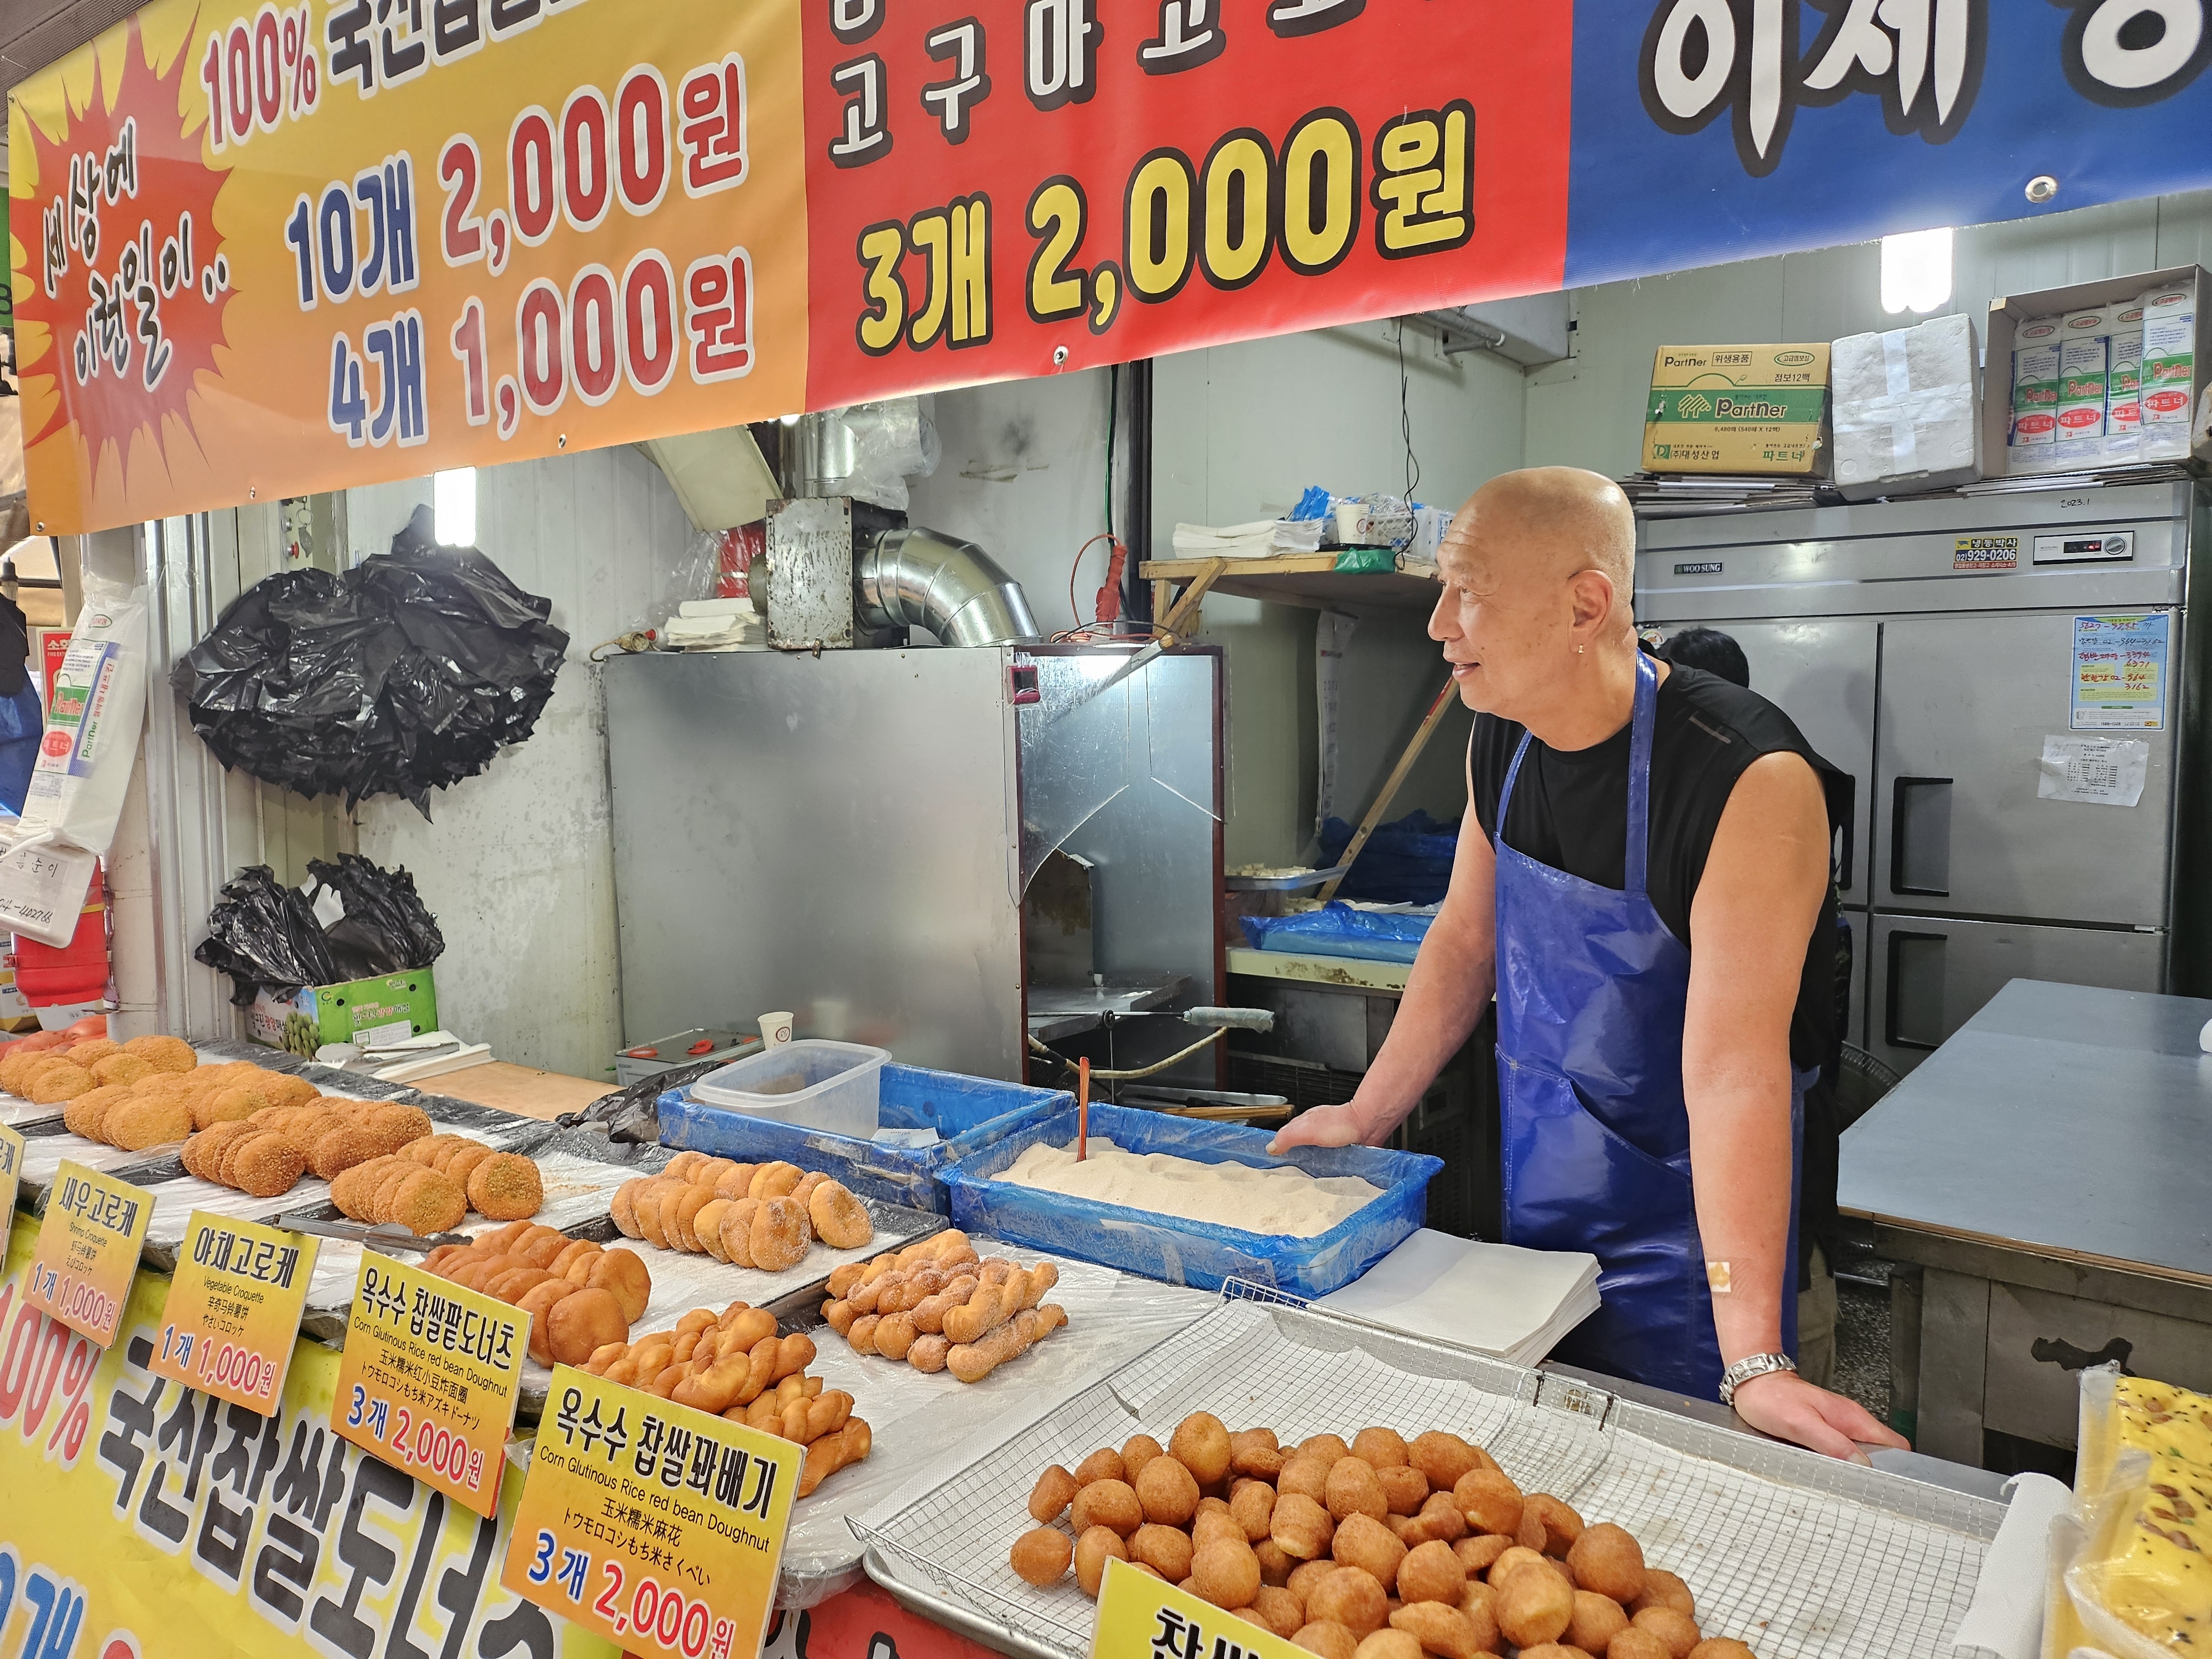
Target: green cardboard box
x,y
1737,409
364,1010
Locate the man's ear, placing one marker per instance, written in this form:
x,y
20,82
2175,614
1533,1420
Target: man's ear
x,y
1592,592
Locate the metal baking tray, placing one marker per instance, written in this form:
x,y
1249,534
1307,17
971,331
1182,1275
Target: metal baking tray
x,y
1794,1553
1296,882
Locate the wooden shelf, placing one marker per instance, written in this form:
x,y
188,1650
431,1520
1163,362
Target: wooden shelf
x,y
1311,580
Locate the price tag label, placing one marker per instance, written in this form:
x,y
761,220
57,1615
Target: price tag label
x,y
653,1525
80,1269
233,1310
429,1378
11,1171
1141,1617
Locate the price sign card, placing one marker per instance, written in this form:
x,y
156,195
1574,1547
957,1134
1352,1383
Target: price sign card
x,y
11,1174
233,1310
80,1268
1140,1617
652,1524
429,1378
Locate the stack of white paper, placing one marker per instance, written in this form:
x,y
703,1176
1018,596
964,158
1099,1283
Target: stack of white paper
x,y
1260,539
1496,1300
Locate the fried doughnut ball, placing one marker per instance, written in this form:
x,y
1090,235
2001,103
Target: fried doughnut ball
x,y
1513,1560
584,1322
1597,1619
1048,1499
1215,1526
1661,1588
163,1053
1490,1501
1274,1564
1137,1451
1553,1650
1438,1628
1166,1549
1041,1556
1278,1609
780,1235
1634,1644
1405,1489
505,1187
622,1274
1306,1575
841,1220
1351,1598
62,1081
1104,1465
1479,1607
1431,1573
1351,1489
1560,1525
1606,1559
1388,1644
1328,1639
1479,1553
1438,1520
1091,1551
1166,1490
1363,1541
1536,1607
1306,1475
1380,1449
1677,1630
1300,1527
1226,1573
1722,1647
1200,1444
1252,1506
1107,1504
1330,1446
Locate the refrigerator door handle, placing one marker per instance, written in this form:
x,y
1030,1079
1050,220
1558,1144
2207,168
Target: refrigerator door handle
x,y
1920,837
1844,814
1894,989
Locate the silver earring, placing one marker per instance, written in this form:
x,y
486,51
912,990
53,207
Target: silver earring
x,y
1580,649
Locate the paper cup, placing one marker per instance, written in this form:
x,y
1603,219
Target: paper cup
x,y
775,1029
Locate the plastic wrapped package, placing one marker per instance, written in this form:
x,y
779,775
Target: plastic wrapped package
x,y
2139,1582
968,1114
1406,861
1342,929
1907,409
1177,1251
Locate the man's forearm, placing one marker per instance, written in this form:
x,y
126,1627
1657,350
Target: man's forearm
x,y
1741,1155
1445,994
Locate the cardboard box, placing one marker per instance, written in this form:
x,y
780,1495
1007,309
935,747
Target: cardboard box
x,y
1907,409
1737,409
378,1010
2176,381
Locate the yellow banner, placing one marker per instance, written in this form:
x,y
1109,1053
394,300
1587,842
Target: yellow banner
x,y
11,1168
1140,1617
232,1313
88,1250
144,1521
269,250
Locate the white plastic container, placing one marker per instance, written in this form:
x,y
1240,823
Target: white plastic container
x,y
831,1087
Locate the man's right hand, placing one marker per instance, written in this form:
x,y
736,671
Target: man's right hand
x,y
1323,1126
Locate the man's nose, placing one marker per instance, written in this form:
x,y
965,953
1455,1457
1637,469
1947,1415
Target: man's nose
x,y
1444,619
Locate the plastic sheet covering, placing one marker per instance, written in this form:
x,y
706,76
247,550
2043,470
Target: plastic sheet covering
x,y
408,673
263,933
1340,929
927,1427
1179,1252
1408,862
968,1113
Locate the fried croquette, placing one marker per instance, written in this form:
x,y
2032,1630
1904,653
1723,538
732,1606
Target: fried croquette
x,y
135,1125
53,1085
264,1166
163,1053
506,1187
81,1116
428,1202
227,1105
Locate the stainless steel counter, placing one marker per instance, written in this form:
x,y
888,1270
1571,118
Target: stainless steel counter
x,y
2043,1176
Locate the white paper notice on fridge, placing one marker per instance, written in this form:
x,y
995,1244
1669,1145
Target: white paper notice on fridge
x,y
2102,771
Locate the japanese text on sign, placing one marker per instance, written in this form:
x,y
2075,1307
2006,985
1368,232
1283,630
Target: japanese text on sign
x,y
88,1250
653,1524
232,1313
429,1378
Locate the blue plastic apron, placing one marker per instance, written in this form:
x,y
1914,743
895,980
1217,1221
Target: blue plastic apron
x,y
1592,991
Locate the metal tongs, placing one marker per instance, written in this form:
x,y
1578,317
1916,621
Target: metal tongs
x,y
384,1236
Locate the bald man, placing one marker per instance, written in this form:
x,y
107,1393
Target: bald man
x,y
1645,900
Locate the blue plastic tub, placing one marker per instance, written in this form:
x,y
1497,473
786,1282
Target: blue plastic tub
x,y
1197,1253
970,1113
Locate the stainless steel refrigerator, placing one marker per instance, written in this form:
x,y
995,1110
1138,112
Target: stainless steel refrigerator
x,y
2011,682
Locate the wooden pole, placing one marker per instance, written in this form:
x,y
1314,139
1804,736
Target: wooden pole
x,y
1391,785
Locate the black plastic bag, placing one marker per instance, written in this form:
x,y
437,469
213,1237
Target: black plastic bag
x,y
404,674
263,933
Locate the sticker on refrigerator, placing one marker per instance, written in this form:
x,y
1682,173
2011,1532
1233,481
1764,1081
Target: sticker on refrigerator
x,y
2119,672
2099,771
1980,553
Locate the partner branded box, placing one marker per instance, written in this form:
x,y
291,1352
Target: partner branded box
x,y
1737,409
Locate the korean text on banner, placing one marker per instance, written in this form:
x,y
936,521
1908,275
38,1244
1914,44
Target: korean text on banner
x,y
651,1523
11,1168
1140,1617
232,1313
154,1521
88,1250
429,1378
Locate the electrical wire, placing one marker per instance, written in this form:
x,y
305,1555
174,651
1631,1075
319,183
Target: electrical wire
x,y
1406,420
1112,542
1113,410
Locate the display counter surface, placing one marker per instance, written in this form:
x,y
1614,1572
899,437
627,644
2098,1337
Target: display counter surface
x,y
523,1089
2056,1120
1341,973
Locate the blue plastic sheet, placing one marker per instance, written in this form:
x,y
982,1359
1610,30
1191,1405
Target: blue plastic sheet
x,y
970,1113
1339,930
1408,862
1198,1253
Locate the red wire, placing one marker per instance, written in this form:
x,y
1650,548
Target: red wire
x,y
1074,611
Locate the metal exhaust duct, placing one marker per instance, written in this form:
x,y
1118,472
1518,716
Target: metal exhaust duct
x,y
918,578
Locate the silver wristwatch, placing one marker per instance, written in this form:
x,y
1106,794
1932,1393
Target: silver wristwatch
x,y
1751,1365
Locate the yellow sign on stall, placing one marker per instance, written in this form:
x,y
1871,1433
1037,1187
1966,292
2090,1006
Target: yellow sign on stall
x,y
11,1171
429,1378
232,1313
652,1524
87,1249
1141,1617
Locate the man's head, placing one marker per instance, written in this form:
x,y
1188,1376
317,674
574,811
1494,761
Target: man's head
x,y
1537,572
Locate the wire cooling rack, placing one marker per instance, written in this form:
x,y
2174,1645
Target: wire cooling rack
x,y
1801,1556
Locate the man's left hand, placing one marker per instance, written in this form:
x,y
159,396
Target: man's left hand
x,y
1787,1407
